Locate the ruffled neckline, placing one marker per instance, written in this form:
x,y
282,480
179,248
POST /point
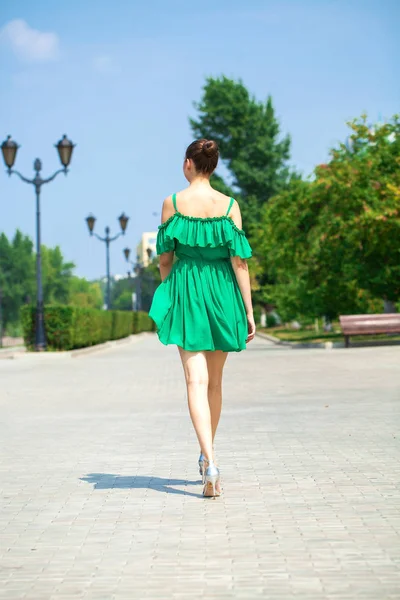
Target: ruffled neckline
x,y
202,232
201,219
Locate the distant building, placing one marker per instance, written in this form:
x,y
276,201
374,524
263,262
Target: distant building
x,y
146,249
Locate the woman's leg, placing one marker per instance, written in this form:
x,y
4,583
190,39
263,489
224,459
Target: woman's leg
x,y
215,363
196,374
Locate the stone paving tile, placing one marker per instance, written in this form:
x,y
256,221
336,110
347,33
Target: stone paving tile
x,y
101,498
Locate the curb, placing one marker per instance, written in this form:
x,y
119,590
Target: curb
x,y
327,345
75,353
318,345
137,337
10,352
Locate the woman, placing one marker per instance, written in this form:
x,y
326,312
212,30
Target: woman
x,y
203,304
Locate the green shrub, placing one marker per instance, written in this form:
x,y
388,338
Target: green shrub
x,y
121,324
91,327
28,325
69,327
142,322
58,322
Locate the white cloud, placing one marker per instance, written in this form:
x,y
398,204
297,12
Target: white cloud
x,y
30,44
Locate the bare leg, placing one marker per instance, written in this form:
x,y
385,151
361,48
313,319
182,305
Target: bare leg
x,y
215,363
196,374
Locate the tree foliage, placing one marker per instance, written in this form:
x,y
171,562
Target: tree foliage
x,y
60,285
57,275
333,244
18,276
251,146
144,283
84,293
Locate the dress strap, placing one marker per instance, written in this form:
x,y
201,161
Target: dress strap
x,y
230,206
174,202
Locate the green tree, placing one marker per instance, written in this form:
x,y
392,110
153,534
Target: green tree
x,y
250,141
123,301
56,276
122,290
333,244
363,188
84,293
17,275
121,293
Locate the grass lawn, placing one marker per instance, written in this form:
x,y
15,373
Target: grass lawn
x,y
311,336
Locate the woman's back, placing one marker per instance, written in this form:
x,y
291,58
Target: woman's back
x,y
200,230
199,306
202,202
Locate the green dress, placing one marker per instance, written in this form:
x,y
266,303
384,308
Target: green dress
x,y
199,305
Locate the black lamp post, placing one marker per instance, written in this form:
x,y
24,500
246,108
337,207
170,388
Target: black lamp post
x,y
9,150
138,269
123,221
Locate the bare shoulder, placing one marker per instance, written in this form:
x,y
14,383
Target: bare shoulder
x,y
227,204
236,215
168,202
167,209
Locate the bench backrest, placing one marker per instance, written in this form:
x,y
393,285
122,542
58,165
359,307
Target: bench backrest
x,y
359,324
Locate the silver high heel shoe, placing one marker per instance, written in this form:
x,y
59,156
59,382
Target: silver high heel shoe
x,y
202,467
211,477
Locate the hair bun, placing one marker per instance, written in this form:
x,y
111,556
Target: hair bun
x,y
204,154
210,148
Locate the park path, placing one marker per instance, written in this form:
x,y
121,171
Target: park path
x,y
100,494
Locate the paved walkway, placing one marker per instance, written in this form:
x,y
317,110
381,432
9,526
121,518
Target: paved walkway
x,y
101,495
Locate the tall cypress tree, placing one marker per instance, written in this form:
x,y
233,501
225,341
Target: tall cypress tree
x,y
251,145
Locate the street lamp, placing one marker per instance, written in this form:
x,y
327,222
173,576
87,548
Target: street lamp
x,y
9,150
123,222
138,269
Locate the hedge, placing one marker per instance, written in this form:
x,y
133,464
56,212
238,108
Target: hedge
x,y
69,327
122,324
142,322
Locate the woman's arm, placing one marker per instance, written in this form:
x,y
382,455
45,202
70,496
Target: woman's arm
x,y
242,275
241,270
166,262
167,258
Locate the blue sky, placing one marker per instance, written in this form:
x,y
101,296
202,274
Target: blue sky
x,y
120,79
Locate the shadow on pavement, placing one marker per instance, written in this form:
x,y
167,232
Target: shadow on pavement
x,y
106,481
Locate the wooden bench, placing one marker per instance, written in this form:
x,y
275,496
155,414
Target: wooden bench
x,y
368,325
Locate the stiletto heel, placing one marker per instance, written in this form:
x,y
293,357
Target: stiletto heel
x,y
212,477
202,468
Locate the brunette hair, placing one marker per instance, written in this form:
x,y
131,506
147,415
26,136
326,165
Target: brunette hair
x,y
204,153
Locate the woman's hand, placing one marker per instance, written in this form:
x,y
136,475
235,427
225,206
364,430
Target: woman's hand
x,y
251,328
